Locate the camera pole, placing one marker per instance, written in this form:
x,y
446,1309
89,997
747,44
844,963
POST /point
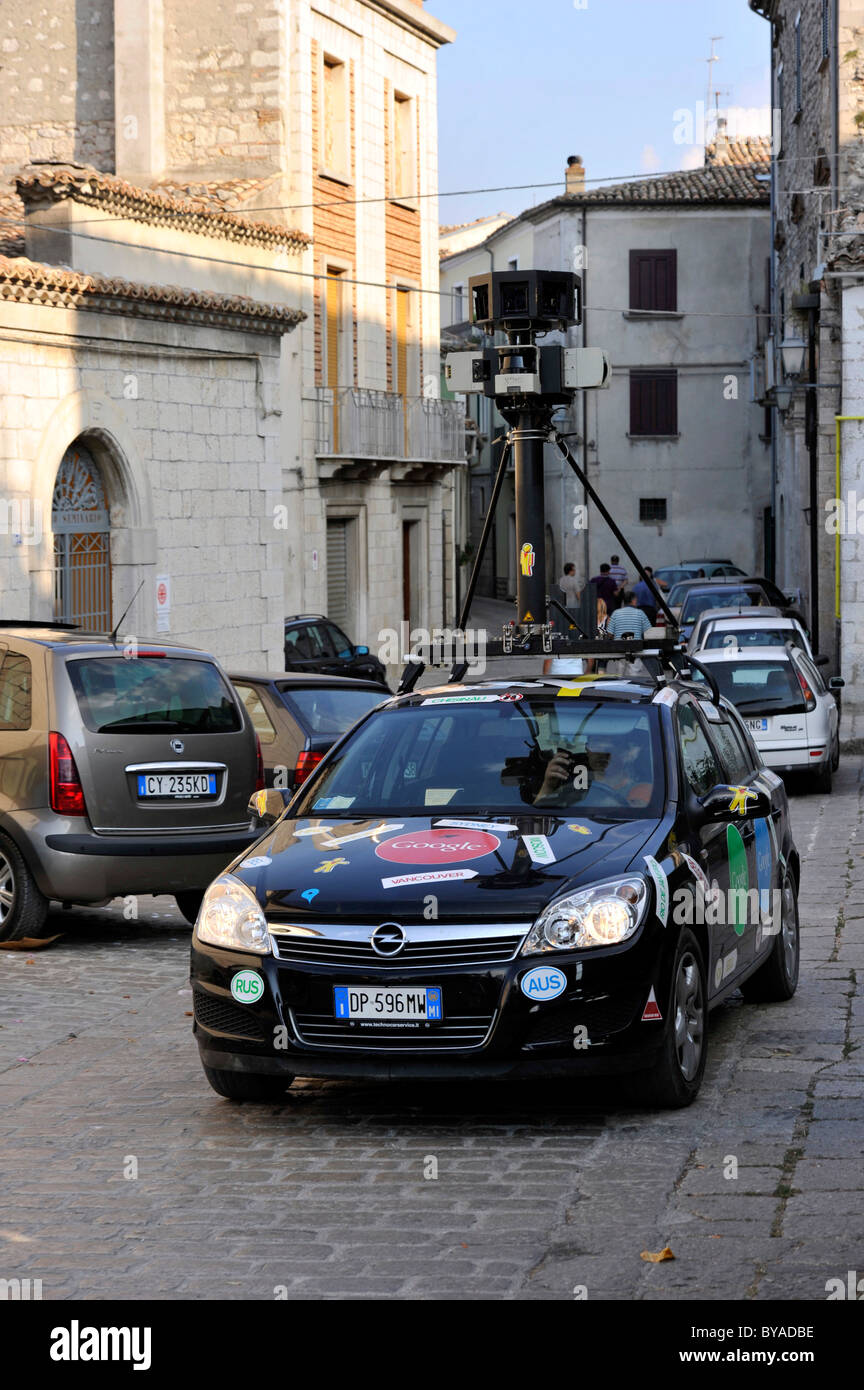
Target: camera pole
x,y
529,437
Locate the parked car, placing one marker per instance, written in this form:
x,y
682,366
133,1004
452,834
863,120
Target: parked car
x,y
792,716
715,568
448,896
118,773
689,569
760,627
315,644
298,718
690,598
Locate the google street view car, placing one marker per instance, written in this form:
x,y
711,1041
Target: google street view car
x,y
540,878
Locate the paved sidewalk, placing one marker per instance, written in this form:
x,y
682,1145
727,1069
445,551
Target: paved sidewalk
x,y
540,1190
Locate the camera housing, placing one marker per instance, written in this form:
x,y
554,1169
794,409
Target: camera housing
x,y
538,300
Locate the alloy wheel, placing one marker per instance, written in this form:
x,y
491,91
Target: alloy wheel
x,y
689,1016
789,931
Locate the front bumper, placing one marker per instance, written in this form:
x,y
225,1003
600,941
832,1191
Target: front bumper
x,y
490,1028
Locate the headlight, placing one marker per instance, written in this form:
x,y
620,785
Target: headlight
x,y
601,915
230,916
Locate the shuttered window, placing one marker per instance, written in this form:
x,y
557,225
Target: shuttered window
x,y
402,342
654,402
337,572
654,281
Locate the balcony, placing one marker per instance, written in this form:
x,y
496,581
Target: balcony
x,y
356,425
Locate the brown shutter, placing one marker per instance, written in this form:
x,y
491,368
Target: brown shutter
x,y
654,281
653,402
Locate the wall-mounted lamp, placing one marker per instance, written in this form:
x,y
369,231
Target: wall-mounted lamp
x,y
792,353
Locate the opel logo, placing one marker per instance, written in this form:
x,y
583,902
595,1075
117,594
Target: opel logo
x,y
388,939
177,745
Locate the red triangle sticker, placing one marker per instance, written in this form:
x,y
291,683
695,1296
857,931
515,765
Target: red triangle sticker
x,y
652,1008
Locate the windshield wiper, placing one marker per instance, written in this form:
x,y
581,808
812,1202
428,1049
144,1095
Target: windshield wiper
x,y
759,704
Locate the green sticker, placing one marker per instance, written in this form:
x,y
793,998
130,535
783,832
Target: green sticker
x,y
739,878
247,987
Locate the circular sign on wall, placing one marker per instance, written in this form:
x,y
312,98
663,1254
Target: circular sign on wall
x,y
437,846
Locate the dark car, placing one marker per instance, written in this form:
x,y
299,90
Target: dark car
x,y
504,881
315,644
123,770
694,597
298,718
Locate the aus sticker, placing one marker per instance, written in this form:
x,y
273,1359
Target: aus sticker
x,y
539,849
661,884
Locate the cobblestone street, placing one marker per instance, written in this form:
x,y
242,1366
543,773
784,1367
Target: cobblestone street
x,y
538,1190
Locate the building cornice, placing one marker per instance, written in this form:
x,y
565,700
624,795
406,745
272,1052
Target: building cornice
x,y
412,16
38,186
28,282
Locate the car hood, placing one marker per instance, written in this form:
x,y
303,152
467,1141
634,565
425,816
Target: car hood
x,y
311,869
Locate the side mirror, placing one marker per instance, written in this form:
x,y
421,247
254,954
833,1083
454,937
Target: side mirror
x,y
791,600
836,683
361,651
267,805
821,660
725,802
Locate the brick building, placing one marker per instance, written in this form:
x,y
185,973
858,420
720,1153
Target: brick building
x,y
218,298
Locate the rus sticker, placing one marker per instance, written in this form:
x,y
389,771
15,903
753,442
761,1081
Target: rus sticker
x,y
661,884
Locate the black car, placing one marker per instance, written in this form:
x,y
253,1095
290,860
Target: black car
x,y
315,644
501,881
298,718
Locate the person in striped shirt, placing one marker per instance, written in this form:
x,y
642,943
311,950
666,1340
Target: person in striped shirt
x,y
618,572
628,620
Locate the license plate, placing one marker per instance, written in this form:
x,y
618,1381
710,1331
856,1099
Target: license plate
x,y
423,1005
759,726
176,785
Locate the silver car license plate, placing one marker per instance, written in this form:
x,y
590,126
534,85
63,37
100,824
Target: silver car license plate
x,y
176,785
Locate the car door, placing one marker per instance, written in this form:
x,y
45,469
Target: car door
x,y
754,872
708,839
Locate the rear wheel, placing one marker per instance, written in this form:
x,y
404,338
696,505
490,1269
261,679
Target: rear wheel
x,y
23,908
823,780
676,1077
189,904
241,1085
835,760
777,979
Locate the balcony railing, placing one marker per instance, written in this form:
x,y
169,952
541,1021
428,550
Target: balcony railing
x,y
357,422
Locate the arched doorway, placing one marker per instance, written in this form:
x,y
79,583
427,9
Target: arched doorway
x,y
82,562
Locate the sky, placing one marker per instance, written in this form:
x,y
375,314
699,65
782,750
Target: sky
x,y
623,83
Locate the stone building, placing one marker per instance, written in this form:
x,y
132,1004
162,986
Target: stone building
x,y
813,359
218,297
674,279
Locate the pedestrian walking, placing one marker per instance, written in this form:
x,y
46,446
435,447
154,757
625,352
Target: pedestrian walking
x,y
605,588
571,584
618,572
628,620
645,596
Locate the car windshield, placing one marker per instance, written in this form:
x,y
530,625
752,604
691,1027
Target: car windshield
x,y
330,710
760,685
698,602
498,753
752,637
152,695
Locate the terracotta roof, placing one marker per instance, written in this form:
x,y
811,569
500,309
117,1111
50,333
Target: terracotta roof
x,y
462,226
11,230
55,182
714,183
752,149
218,195
29,282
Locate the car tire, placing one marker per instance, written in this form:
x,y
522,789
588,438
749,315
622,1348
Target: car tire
x,y
777,979
189,904
675,1079
835,760
241,1085
823,780
23,908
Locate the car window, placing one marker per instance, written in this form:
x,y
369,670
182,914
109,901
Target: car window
x,y
699,760
152,695
735,764
496,755
747,637
15,692
257,713
342,647
306,642
320,636
768,686
698,602
330,711
812,673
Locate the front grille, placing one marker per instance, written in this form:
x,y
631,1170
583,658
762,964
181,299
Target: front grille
x,y
460,1031
599,1017
490,950
218,1016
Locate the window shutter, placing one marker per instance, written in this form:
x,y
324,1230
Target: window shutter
x,y
654,281
653,402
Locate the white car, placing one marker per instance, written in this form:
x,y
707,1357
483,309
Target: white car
x,y
761,627
782,698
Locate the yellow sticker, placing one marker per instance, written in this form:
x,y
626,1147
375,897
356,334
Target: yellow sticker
x,y
580,829
528,618
260,800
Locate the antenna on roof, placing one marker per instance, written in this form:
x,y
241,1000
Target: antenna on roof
x,y
126,610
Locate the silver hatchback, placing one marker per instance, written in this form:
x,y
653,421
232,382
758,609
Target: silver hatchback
x,y
123,770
